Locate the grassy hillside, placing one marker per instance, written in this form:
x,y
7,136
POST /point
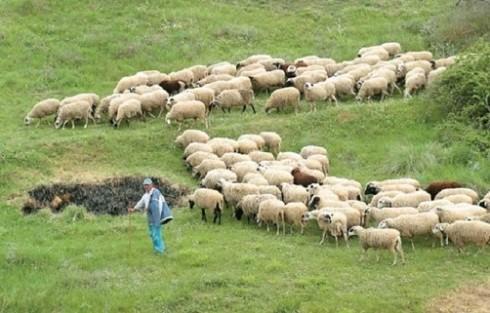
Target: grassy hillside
x,y
58,48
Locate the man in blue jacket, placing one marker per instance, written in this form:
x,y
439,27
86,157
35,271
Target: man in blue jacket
x,y
152,203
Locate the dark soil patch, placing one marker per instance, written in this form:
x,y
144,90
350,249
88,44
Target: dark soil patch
x,y
111,196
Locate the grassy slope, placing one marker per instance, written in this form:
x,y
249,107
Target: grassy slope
x,y
56,48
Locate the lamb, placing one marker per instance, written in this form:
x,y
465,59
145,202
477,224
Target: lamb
x,y
197,157
459,198
410,225
454,191
414,80
187,110
180,97
373,86
128,82
186,76
199,72
129,109
214,78
272,141
403,200
276,177
294,193
196,146
272,211
393,48
268,80
42,109
485,202
462,233
255,179
206,166
302,178
336,225
172,87
208,200
434,75
270,190
243,168
282,98
246,146
435,187
312,77
310,150
458,212
213,177
203,94
230,98
234,192
377,215
191,135
259,156
153,100
249,205
375,238
293,215
319,92
231,158
344,85
72,111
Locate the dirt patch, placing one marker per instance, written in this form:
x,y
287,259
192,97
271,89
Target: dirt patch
x,y
471,298
111,196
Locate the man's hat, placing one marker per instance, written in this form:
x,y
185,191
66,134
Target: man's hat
x,y
147,181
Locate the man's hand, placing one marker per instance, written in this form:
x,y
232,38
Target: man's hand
x,y
130,210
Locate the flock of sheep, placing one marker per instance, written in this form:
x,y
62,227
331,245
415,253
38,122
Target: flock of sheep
x,y
289,188
193,92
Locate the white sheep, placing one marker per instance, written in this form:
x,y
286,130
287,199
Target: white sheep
x,y
411,199
336,225
246,146
434,75
203,94
344,85
208,200
221,146
414,81
321,91
214,78
144,89
259,156
197,157
234,192
272,211
294,193
189,136
427,206
420,55
199,72
180,97
231,158
276,177
230,98
377,215
196,146
293,215
443,62
213,178
313,77
249,205
206,166
42,109
128,82
455,191
187,110
219,86
459,198
375,238
272,141
268,80
462,233
73,111
185,75
373,86
458,212
243,168
282,98
127,110
222,68
410,225
256,138
270,190
393,48
484,218
255,179
241,83
155,100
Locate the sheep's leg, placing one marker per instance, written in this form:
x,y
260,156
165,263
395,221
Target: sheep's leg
x,y
395,255
324,236
346,239
244,108
377,256
267,226
334,100
291,229
64,123
223,109
86,122
203,215
215,217
278,226
38,123
73,124
336,241
413,246
400,251
397,88
160,113
206,123
219,217
363,254
302,229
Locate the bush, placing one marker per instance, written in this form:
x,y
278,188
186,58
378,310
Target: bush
x,y
463,88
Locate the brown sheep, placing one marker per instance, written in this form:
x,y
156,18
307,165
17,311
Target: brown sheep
x,y
303,179
434,187
172,86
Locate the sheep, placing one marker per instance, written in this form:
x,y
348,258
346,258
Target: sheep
x,y
375,238
203,94
321,221
128,109
302,178
153,77
172,87
234,98
42,109
411,199
154,100
485,201
427,206
128,82
259,156
256,138
191,135
144,89
186,76
268,80
225,140
434,75
373,86
255,179
435,187
293,215
91,98
199,72
312,77
243,168
393,48
459,198
410,225
319,92
246,146
353,193
276,177
443,62
252,59
241,83
220,147
180,97
314,164
249,205
214,78
310,150
375,189
336,224
414,80
197,157
187,110
116,102
359,206
462,233
344,85
333,180
458,212
379,51
207,165
196,146
404,180
208,200
103,107
424,65
213,177
391,194
272,211
282,98
309,68
270,190
250,67
72,111
367,59
454,191
484,218
387,74
219,86
253,72
289,155
272,141
234,192
420,55
354,216
231,158
377,215
222,68
294,193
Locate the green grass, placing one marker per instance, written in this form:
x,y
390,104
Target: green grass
x,y
58,48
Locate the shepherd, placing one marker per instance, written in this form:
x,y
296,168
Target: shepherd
x,y
157,212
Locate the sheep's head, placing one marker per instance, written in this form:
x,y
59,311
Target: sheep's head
x,y
191,204
313,204
439,228
295,171
306,216
27,120
384,223
385,202
58,123
470,218
372,189
307,85
354,231
290,82
484,204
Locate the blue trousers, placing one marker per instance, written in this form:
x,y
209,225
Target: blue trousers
x,y
156,238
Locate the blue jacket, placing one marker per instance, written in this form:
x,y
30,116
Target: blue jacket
x,y
154,208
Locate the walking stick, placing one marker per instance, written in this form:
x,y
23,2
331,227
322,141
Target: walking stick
x,y
129,234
